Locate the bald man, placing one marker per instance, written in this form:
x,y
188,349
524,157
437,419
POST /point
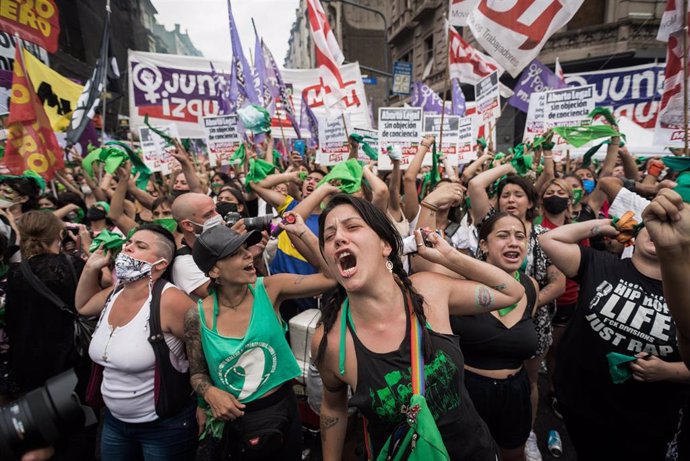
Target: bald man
x,y
191,211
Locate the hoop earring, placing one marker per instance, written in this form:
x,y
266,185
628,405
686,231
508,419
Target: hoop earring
x,y
389,265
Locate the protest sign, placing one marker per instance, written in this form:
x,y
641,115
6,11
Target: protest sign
x,y
155,150
222,138
534,125
371,137
536,78
399,126
568,106
449,148
488,98
37,22
467,139
333,143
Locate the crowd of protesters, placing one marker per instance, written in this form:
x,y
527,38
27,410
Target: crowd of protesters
x,y
508,265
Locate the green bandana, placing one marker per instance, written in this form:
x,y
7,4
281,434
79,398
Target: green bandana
x,y
521,161
577,195
255,119
349,173
169,141
258,170
435,176
276,159
368,150
303,176
112,154
240,155
104,205
168,223
587,157
506,310
619,366
79,216
682,165
482,142
110,241
578,136
604,112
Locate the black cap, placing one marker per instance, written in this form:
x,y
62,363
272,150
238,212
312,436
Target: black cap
x,y
219,242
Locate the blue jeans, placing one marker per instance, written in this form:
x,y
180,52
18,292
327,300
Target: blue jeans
x,y
169,439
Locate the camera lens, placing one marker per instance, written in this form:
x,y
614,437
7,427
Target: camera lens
x,y
39,418
260,223
231,218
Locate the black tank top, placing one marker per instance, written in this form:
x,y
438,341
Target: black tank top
x,y
384,385
489,345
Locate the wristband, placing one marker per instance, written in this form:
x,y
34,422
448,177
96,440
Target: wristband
x,y
655,168
429,206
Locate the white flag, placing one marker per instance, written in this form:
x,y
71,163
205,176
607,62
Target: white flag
x,y
671,20
459,10
466,63
327,51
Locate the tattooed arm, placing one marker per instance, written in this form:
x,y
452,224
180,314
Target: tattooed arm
x,y
561,244
223,406
554,288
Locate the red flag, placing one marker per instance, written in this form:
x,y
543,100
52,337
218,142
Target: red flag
x,y
327,51
31,142
35,21
466,63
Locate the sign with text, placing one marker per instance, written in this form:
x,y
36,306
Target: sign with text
x,y
371,137
568,106
155,150
467,139
35,21
449,146
399,126
333,144
402,77
488,98
459,10
222,138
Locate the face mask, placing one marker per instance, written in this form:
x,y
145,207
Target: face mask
x,y
224,208
589,185
128,269
216,185
555,204
95,214
577,195
177,193
209,223
47,210
168,223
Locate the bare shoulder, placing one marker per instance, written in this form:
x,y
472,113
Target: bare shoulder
x,y
430,284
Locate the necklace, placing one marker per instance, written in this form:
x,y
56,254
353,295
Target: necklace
x,y
246,290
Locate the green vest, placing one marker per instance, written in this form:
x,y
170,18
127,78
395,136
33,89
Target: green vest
x,y
249,367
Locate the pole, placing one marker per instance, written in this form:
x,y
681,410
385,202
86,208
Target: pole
x,y
685,74
105,81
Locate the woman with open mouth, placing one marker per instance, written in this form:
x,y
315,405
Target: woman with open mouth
x,y
241,364
364,340
496,343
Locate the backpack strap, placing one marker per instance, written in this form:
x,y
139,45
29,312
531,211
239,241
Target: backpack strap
x,y
156,332
40,287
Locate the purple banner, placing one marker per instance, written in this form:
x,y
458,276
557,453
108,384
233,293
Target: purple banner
x,y
536,78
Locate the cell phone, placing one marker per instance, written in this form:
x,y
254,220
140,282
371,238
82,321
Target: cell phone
x,y
299,146
425,236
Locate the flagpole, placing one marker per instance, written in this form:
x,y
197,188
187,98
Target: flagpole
x,y
105,79
685,74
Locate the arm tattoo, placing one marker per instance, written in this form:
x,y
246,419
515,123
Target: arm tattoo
x,y
483,297
299,280
198,369
328,422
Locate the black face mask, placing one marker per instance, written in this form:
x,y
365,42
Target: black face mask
x,y
95,214
224,208
555,204
177,193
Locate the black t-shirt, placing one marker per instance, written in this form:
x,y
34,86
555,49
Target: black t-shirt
x,y
619,310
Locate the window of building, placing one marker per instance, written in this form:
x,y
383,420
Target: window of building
x,y
428,56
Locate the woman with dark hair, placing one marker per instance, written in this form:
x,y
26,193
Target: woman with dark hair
x,y
218,180
363,340
241,364
517,196
77,206
496,344
230,195
133,428
22,192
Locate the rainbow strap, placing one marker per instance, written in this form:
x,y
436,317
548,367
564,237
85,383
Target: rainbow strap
x,y
416,353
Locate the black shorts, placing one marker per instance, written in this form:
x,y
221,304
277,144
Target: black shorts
x,y
562,314
504,405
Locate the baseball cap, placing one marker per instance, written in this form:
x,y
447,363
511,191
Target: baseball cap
x,y
220,242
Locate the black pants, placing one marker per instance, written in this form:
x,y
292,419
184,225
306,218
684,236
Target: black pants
x,y
269,430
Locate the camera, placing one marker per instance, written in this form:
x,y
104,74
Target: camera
x,y
231,218
39,418
259,223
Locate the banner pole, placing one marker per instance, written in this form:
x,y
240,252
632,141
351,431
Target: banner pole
x,y
105,80
685,75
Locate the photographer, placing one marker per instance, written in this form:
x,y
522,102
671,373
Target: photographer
x,y
41,333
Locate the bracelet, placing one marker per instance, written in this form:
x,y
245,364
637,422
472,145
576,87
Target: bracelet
x,y
429,206
425,145
301,234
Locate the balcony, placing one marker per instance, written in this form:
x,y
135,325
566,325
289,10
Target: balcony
x,y
400,24
423,8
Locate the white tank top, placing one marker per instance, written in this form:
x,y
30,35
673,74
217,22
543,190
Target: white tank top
x,y
128,361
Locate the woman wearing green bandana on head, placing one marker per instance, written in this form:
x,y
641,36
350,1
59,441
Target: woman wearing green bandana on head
x,y
496,344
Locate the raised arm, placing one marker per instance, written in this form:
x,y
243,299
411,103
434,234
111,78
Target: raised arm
x,y
264,189
487,287
144,197
185,159
117,202
667,219
561,244
394,191
549,171
89,298
410,199
379,189
306,243
611,156
471,170
629,164
307,206
479,198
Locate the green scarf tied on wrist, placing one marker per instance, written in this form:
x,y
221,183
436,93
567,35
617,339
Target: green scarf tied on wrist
x,y
112,154
258,170
110,241
348,173
587,157
368,150
682,165
521,161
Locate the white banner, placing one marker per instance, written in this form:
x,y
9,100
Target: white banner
x,y
333,144
459,10
488,98
399,126
180,90
451,128
222,138
514,32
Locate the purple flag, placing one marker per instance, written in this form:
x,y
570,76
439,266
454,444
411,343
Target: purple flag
x,y
459,104
308,120
427,99
534,79
278,89
241,77
262,77
222,91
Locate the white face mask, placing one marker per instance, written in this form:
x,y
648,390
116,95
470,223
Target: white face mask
x,y
209,223
128,269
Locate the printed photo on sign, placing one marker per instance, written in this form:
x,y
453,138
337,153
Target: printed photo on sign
x,y
451,128
333,143
222,138
399,126
156,150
